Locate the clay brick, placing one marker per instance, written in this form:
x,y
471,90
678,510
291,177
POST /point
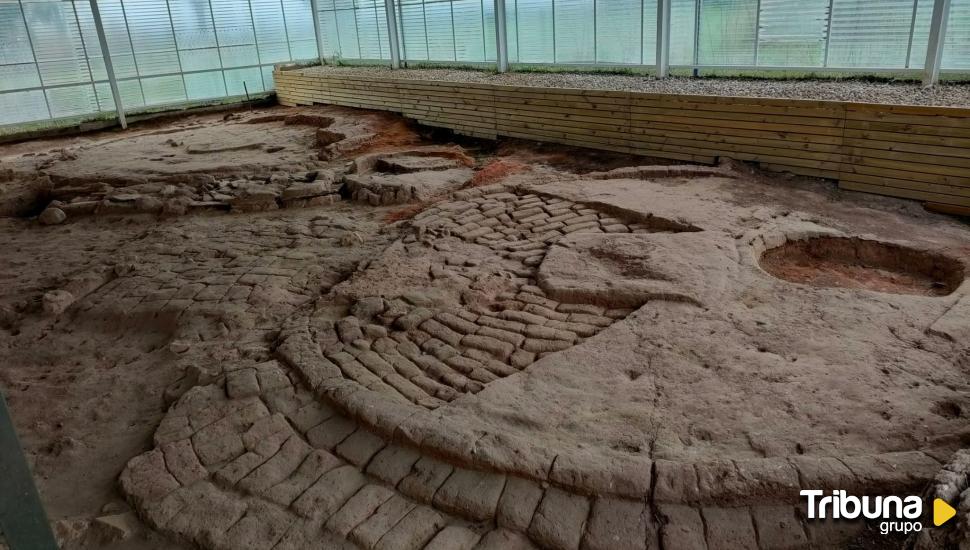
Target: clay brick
x,y
560,520
277,468
616,524
360,447
331,432
414,531
387,515
329,493
778,527
454,537
317,463
423,481
683,528
518,504
393,463
358,508
729,529
470,494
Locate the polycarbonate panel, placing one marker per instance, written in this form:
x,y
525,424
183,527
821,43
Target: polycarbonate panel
x,y
727,32
792,33
162,51
20,107
921,34
682,18
441,30
299,29
411,29
534,31
271,32
152,37
469,30
956,48
575,26
206,85
870,33
243,81
619,31
58,48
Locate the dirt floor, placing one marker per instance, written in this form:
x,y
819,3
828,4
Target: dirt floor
x,y
319,326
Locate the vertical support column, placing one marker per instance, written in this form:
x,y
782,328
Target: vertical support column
x,y
108,65
501,38
828,34
315,8
663,38
934,49
389,10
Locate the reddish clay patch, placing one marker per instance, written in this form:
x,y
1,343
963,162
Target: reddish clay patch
x,y
862,264
405,213
497,170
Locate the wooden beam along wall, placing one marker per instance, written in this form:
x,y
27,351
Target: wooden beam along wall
x,y
913,152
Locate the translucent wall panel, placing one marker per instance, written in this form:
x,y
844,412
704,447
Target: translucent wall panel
x,y
353,29
683,15
574,27
870,33
620,31
956,50
446,30
792,33
163,52
727,32
534,31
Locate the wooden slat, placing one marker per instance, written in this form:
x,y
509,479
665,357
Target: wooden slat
x,y
915,152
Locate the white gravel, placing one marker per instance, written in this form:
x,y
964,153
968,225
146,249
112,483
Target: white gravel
x,y
899,93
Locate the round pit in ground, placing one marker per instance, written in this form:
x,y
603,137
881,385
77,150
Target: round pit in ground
x,y
864,264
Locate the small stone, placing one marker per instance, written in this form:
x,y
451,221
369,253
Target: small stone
x,y
56,302
52,216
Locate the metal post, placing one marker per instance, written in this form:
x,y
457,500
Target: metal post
x,y
663,38
392,33
108,65
934,49
314,6
757,32
912,31
501,38
828,34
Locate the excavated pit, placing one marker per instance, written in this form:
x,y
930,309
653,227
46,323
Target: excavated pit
x,y
864,264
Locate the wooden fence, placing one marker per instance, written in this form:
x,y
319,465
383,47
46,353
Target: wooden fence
x,y
920,153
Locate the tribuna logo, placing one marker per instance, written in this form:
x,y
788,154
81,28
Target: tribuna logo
x,y
898,514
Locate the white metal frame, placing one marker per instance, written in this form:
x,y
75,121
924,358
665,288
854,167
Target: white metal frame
x,y
934,48
661,64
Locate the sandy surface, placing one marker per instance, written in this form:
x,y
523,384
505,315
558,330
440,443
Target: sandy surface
x,y
949,95
163,345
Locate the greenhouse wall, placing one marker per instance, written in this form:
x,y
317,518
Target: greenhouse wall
x,y
169,52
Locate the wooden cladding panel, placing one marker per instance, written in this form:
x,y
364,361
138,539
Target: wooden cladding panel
x,y
913,152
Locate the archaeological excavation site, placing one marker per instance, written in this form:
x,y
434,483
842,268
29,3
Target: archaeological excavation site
x,y
452,275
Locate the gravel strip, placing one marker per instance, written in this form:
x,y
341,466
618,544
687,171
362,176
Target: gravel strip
x,y
898,93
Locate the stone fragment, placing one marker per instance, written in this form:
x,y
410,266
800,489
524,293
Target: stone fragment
x,y
52,216
56,302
